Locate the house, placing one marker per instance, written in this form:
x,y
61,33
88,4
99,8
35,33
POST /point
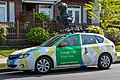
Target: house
x,y
24,10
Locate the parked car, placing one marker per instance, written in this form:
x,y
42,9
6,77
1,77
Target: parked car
x,y
65,50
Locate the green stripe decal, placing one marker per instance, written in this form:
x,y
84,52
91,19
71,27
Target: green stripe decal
x,y
69,55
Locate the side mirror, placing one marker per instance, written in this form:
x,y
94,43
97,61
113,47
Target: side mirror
x,y
63,44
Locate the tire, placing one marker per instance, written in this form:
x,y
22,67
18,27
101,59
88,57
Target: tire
x,y
104,61
83,67
43,65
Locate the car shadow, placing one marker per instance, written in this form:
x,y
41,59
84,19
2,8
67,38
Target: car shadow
x,y
26,74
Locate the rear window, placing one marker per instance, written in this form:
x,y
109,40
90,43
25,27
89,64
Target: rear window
x,y
88,39
99,39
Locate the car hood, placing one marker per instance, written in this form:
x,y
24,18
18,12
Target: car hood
x,y
44,50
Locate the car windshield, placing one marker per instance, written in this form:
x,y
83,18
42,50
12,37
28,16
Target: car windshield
x,y
52,41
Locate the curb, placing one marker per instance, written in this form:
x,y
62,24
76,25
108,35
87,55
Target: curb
x,y
116,62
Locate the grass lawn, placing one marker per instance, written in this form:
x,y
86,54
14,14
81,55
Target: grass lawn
x,y
6,53
3,65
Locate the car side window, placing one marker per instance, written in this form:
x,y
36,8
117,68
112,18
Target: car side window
x,y
88,39
72,41
99,39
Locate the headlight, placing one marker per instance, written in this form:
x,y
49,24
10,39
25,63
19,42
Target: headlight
x,y
23,56
12,57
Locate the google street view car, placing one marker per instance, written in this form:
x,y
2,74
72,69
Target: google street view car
x,y
65,50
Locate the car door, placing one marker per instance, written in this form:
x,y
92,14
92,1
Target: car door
x,y
71,53
90,49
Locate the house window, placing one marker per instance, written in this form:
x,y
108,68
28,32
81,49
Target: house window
x,y
75,13
84,15
12,12
96,20
3,12
47,10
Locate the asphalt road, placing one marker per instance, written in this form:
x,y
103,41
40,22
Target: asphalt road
x,y
90,73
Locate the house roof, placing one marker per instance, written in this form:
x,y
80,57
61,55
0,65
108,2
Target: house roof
x,y
40,1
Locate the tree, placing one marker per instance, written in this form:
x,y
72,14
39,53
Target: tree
x,y
109,12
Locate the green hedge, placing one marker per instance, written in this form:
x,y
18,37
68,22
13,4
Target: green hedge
x,y
117,47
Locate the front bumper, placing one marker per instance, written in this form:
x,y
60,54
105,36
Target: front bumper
x,y
16,64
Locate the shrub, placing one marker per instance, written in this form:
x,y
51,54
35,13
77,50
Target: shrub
x,y
3,32
37,35
95,29
113,34
53,34
39,17
117,48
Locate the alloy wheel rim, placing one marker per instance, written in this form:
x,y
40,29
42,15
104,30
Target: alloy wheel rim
x,y
105,61
43,65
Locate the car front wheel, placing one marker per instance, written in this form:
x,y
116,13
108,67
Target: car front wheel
x,y
104,61
43,65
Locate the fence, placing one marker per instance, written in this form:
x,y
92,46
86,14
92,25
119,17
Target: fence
x,y
18,29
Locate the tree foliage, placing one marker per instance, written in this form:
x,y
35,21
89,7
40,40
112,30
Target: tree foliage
x,y
95,29
109,12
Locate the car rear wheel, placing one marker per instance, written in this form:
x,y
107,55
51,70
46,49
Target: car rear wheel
x,y
43,65
104,61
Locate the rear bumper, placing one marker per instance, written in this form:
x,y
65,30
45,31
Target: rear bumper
x,y
116,54
115,57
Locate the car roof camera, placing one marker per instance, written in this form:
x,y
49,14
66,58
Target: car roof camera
x,y
65,21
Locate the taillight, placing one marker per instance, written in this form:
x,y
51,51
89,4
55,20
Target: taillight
x,y
115,54
112,46
85,49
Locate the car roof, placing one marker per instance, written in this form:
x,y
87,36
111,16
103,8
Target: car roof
x,y
89,34
82,34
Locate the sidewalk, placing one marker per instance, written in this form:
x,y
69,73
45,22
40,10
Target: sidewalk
x,y
3,59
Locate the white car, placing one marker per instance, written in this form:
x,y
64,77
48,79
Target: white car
x,y
65,50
